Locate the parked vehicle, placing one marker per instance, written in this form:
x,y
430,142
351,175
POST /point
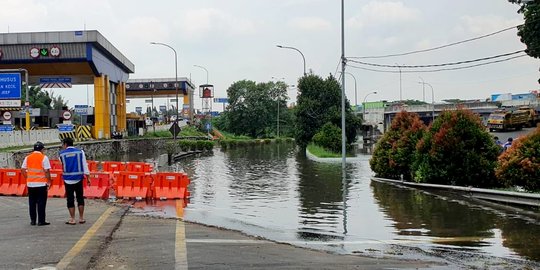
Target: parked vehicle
x,y
507,119
532,115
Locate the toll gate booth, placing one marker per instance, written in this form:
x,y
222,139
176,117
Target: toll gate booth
x,y
62,59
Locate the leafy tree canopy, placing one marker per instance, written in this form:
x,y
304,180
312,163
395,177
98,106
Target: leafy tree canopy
x,y
319,102
456,150
394,152
253,108
529,32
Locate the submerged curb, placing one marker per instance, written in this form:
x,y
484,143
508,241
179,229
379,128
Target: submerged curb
x,y
506,197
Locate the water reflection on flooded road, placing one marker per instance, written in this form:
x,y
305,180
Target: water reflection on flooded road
x,y
274,192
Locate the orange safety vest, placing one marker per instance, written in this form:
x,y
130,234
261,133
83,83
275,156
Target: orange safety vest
x,y
34,167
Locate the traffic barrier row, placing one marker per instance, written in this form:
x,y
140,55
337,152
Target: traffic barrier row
x,y
136,185
109,166
22,137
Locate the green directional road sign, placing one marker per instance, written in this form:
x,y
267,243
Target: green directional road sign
x,y
175,129
44,52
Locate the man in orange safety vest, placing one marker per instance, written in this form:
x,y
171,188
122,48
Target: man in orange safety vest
x,y
36,169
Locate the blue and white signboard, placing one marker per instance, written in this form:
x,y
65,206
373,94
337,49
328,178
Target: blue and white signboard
x,y
55,82
65,128
221,100
10,86
6,128
81,109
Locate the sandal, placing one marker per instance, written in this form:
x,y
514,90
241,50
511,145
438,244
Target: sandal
x,y
82,221
69,222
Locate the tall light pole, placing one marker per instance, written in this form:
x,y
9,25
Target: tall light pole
x,y
202,99
423,90
432,100
364,103
343,64
204,70
277,96
400,91
175,79
355,92
293,48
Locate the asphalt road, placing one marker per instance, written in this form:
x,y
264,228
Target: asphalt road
x,y
503,136
116,237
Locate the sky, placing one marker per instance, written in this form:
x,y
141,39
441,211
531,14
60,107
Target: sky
x,y
236,40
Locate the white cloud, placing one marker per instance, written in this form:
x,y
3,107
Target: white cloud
x,y
201,22
310,24
376,12
153,28
485,24
12,11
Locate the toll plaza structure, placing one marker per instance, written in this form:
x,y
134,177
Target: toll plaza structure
x,y
164,87
61,59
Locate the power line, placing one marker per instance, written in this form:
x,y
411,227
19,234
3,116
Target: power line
x,y
437,48
438,65
439,70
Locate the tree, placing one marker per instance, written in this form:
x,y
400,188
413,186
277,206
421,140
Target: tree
x,y
319,102
529,32
394,152
457,150
42,99
58,102
520,164
37,98
253,108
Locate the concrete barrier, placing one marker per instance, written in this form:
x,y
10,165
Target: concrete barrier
x,y
499,196
20,138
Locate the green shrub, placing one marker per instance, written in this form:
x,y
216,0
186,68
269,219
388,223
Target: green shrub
x,y
520,164
204,145
158,134
329,137
456,150
394,152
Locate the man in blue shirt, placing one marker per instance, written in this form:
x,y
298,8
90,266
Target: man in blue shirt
x,y
75,170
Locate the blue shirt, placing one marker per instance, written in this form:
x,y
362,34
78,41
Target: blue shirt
x,y
74,165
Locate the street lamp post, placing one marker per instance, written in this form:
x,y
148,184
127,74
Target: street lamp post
x,y
432,100
204,70
364,104
423,89
175,78
277,97
202,100
292,48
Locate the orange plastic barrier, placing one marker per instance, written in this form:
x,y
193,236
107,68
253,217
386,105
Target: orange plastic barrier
x,y
138,167
133,185
57,187
113,166
100,183
92,165
171,185
56,164
12,182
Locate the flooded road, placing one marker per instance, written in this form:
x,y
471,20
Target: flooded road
x,y
275,192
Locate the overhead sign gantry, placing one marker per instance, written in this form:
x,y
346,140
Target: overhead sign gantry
x,y
61,59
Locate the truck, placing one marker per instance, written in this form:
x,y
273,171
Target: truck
x,y
507,119
532,115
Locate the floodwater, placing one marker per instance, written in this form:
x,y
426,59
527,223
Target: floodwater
x,y
275,192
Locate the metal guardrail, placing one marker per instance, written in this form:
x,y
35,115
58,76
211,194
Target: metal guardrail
x,y
507,197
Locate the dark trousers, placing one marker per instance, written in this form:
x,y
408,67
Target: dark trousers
x,y
73,190
37,198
